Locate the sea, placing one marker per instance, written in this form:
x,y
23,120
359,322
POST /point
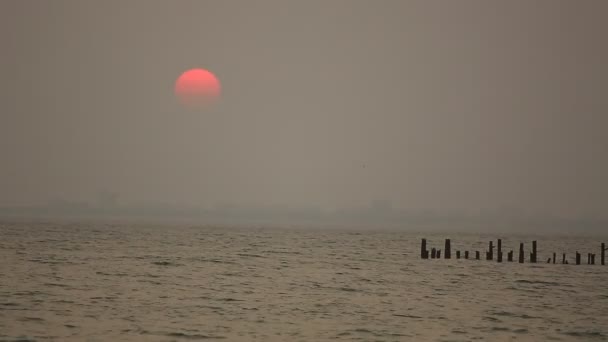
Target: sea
x,y
137,282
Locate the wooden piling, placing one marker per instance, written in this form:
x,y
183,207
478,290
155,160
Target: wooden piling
x,y
435,253
490,253
424,254
499,251
533,255
521,253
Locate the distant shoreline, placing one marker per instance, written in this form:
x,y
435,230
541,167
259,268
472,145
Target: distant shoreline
x,y
497,228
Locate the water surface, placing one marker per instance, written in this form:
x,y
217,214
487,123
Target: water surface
x,y
93,282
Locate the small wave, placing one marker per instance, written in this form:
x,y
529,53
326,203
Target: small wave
x,y
499,329
514,288
511,314
363,330
231,274
149,281
182,335
399,335
539,282
69,249
31,319
55,284
367,331
407,316
165,263
150,275
250,255
229,300
491,319
110,298
52,262
283,252
194,336
586,334
112,274
9,304
27,293
218,308
217,261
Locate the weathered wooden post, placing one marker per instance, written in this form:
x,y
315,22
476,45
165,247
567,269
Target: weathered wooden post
x,y
533,255
433,253
499,251
466,254
477,256
457,254
438,254
554,256
588,258
603,254
564,259
578,258
510,256
490,253
448,249
593,259
424,254
549,261
521,253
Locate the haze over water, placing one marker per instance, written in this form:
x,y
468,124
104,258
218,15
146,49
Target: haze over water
x,y
101,282
476,115
443,106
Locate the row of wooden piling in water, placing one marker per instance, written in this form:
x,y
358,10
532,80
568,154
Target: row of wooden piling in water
x,y
435,253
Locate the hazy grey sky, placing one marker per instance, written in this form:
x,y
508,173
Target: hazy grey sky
x,y
443,105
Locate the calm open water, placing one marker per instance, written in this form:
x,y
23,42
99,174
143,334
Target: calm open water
x,y
92,282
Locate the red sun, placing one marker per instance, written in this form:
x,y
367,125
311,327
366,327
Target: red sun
x,y
197,88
